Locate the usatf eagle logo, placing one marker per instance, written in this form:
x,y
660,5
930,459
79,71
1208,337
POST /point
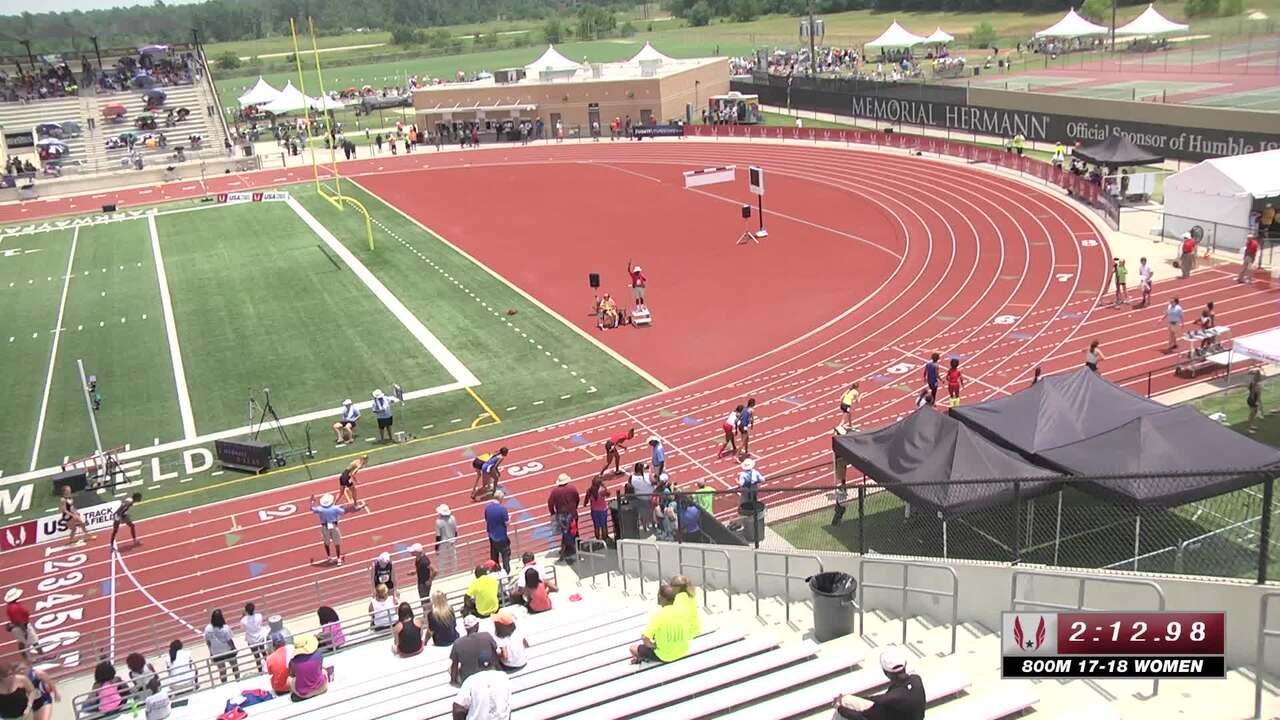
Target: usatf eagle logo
x,y
1024,642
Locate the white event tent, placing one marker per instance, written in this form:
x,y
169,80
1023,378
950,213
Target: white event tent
x,y
324,102
649,52
1218,195
552,64
940,36
260,93
290,99
1072,26
896,37
1150,22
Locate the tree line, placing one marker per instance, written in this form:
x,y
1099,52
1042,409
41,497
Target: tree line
x,y
226,20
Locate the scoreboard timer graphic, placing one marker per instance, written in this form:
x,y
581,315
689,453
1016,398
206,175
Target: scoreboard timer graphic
x,y
1113,645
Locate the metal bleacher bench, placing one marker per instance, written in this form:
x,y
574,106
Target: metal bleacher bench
x,y
988,706
937,686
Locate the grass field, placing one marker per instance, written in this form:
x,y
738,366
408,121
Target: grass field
x,y
1218,536
291,311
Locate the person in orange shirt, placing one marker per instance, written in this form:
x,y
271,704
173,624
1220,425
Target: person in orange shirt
x,y
278,664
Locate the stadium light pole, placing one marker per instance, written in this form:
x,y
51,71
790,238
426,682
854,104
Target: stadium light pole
x,y
97,52
1113,26
31,59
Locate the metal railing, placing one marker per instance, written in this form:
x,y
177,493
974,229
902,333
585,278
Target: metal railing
x,y
786,576
1264,634
596,551
706,570
640,561
907,590
1083,582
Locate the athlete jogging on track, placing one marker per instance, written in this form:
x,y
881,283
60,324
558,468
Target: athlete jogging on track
x,y
72,517
121,516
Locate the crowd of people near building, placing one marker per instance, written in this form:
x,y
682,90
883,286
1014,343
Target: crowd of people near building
x,y
46,80
149,68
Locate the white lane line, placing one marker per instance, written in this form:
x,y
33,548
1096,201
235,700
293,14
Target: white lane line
x,y
53,352
442,354
171,329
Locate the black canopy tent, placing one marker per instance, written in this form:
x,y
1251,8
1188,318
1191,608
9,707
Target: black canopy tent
x,y
1059,410
926,457
1166,459
1116,151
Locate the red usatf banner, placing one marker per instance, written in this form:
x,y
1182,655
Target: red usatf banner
x,y
19,535
54,527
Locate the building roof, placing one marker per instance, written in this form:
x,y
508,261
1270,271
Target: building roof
x,y
1072,25
609,72
1150,22
896,36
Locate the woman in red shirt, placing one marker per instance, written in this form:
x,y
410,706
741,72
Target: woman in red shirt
x,y
955,381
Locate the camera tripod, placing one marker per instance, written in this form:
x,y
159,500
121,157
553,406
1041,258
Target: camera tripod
x,y
262,414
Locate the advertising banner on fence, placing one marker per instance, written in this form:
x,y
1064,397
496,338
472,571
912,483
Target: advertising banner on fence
x,y
949,108
642,131
267,196
53,527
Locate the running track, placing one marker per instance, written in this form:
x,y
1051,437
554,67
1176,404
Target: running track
x,y
1003,250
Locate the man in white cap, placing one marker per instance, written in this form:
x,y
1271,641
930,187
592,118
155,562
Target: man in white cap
x,y
424,573
20,624
329,514
345,428
904,699
383,574
638,283
749,480
446,539
382,412
562,504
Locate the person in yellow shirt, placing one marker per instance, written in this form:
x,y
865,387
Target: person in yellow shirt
x,y
847,401
481,598
705,497
686,601
667,637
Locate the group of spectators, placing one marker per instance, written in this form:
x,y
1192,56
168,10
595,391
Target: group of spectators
x,y
47,80
147,69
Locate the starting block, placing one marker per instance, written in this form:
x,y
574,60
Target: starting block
x,y
640,316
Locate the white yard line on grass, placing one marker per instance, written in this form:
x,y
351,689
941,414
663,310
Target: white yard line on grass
x,y
171,329
53,352
442,354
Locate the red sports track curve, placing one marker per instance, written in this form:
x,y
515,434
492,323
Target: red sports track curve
x,y
960,248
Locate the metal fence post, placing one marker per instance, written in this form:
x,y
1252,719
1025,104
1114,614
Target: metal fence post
x,y
1017,521
1264,533
862,496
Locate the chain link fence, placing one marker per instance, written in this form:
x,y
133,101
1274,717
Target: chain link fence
x,y
1072,526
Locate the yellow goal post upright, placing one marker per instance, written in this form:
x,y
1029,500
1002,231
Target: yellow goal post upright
x,y
334,196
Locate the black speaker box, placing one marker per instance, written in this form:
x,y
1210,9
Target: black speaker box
x,y
109,207
746,212
78,479
594,279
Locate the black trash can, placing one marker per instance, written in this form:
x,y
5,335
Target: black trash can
x,y
628,519
833,598
751,514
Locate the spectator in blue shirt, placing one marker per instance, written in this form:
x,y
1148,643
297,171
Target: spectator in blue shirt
x,y
749,480
690,520
658,453
744,425
496,519
329,514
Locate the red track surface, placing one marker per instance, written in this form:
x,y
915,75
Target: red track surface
x,y
974,246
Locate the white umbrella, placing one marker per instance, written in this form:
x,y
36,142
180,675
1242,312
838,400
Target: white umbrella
x,y
1150,22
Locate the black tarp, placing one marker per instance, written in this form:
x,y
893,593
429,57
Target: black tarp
x,y
1059,410
919,457
1116,151
1179,456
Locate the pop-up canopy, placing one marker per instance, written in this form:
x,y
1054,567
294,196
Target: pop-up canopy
x,y
1150,22
290,99
1071,26
896,37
